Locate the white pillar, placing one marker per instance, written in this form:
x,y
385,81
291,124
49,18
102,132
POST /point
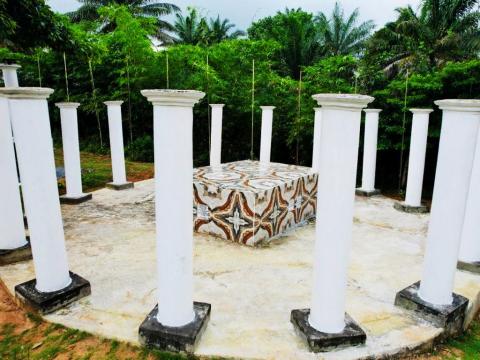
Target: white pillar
x,y
266,139
10,78
116,141
416,161
216,137
341,115
173,128
33,138
316,138
71,148
370,149
470,243
458,139
11,214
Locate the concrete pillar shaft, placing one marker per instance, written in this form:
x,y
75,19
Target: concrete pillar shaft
x,y
460,125
340,131
71,148
416,162
216,136
116,141
31,128
470,243
10,77
266,136
173,126
370,149
11,214
316,138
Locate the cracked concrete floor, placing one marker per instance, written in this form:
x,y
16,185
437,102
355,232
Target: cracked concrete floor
x,y
111,242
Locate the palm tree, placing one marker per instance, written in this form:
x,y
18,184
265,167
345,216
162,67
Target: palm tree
x,y
441,31
296,33
219,30
191,29
140,8
341,35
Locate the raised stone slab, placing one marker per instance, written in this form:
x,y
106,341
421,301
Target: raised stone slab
x,y
318,341
367,193
12,256
176,339
48,302
251,203
118,187
69,200
473,267
401,206
450,317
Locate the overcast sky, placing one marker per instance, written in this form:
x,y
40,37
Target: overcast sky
x,y
242,12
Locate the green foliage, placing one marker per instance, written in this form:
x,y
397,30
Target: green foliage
x,y
341,35
292,52
20,19
295,31
195,29
90,11
334,74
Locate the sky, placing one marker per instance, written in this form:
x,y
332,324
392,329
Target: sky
x,y
243,12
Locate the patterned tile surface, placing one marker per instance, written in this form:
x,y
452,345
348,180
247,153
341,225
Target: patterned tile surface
x,y
250,203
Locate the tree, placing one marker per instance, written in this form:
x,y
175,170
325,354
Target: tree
x,y
219,30
191,29
341,35
441,31
19,19
297,35
139,8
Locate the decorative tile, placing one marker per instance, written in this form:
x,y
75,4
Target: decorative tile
x,y
251,203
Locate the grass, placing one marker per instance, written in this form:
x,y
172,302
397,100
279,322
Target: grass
x,y
45,341
97,171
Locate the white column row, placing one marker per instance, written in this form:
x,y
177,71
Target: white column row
x,y
31,128
11,213
458,141
337,166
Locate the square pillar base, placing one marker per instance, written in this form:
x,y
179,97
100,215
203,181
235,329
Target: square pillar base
x,y
367,193
48,302
450,317
175,339
74,200
12,256
401,206
318,341
113,186
473,267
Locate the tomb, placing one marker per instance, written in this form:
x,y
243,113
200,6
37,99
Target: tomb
x,y
251,203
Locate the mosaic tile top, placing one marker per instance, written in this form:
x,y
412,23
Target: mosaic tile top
x,y
248,175
251,203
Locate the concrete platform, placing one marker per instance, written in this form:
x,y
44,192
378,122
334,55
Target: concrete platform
x,y
111,242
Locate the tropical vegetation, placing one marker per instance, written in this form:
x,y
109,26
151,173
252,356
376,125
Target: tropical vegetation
x,y
112,49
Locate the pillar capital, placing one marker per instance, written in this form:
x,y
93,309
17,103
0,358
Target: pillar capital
x,y
113,103
9,66
267,107
165,97
464,105
317,109
217,105
26,92
64,105
374,111
421,111
351,102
